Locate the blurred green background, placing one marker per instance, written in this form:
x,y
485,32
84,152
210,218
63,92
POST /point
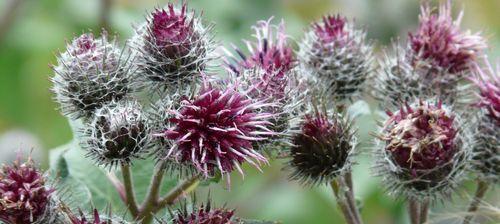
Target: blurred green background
x,y
33,31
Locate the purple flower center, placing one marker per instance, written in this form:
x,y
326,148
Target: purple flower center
x,y
332,28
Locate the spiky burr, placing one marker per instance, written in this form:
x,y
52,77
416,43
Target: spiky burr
x,y
424,150
337,56
118,134
216,130
173,48
25,196
486,161
89,74
323,147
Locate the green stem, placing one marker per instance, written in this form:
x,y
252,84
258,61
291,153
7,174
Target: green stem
x,y
184,188
351,201
129,190
153,194
414,211
341,202
482,188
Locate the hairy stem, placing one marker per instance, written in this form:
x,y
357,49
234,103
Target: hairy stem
x,y
414,211
482,188
351,201
129,190
424,211
342,203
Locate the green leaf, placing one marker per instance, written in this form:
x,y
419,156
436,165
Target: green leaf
x,y
249,221
69,161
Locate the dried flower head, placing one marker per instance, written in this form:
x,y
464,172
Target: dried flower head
x,y
217,129
424,150
173,47
323,148
440,42
24,194
270,52
337,56
118,133
90,73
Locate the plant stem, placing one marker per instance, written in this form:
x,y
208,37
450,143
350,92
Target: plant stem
x,y
129,190
482,188
414,211
182,189
341,202
424,211
152,196
351,201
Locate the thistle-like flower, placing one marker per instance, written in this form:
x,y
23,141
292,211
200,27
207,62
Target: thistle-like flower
x,y
203,214
217,129
90,73
486,147
173,47
118,133
423,150
323,148
25,196
271,52
337,56
93,218
440,42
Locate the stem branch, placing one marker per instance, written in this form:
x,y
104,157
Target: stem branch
x,y
182,189
129,190
351,201
424,211
482,188
147,207
341,201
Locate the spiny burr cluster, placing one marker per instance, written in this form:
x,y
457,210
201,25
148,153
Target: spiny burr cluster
x,y
118,133
25,196
173,47
323,147
337,57
93,218
216,130
487,139
432,64
89,74
423,150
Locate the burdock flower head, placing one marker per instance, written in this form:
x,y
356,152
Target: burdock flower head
x,y
486,150
203,214
217,129
118,133
24,193
323,147
337,56
270,52
90,73
440,43
173,46
424,150
93,218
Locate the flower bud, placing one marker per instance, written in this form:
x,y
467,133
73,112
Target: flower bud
x,y
322,149
24,194
204,213
423,150
337,56
118,133
173,48
90,73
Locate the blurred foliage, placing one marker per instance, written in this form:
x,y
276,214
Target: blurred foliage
x,y
41,27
